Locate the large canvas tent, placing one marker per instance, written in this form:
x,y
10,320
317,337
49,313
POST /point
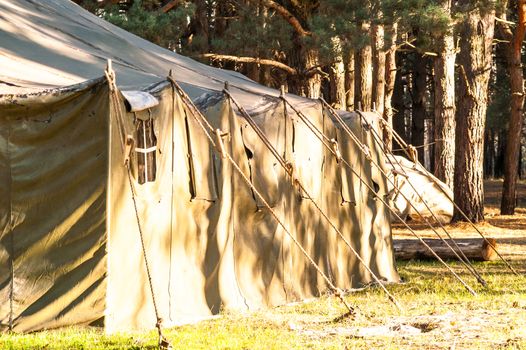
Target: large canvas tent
x,y
70,245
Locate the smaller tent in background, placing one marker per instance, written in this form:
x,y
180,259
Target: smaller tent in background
x,y
414,191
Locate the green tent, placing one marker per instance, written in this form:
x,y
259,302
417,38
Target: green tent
x,y
70,245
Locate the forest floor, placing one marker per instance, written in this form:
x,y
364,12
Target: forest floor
x,y
436,311
508,230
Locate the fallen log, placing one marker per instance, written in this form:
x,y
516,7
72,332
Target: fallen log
x,y
474,249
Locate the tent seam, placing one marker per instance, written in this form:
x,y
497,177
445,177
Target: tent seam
x,y
10,228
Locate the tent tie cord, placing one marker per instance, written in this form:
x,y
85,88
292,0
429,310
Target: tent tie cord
x,y
404,145
408,149
288,168
163,343
462,257
466,261
317,132
204,125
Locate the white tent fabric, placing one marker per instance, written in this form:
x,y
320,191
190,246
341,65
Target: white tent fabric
x,y
416,186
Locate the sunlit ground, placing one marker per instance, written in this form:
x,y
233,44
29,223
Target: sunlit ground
x,y
436,311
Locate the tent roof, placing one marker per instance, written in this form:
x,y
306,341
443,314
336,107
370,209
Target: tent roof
x,y
56,43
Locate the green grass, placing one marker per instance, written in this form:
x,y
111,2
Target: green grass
x,y
431,299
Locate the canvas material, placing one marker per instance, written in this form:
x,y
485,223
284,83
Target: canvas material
x,y
210,243
226,250
54,165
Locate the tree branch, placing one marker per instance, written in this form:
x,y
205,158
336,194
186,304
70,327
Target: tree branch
x,y
170,5
504,25
289,17
241,59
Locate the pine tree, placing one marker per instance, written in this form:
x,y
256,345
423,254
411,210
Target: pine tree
x,y
513,46
444,102
475,61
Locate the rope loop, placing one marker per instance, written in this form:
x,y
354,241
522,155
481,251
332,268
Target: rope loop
x,y
336,149
413,153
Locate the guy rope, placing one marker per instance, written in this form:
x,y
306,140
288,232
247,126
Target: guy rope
x,y
462,257
219,146
289,171
327,143
163,343
407,149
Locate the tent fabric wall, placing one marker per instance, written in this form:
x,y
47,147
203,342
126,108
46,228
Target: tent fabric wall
x,y
53,168
67,218
229,252
65,183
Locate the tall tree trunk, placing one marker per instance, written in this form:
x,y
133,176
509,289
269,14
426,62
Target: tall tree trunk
x,y
488,153
199,28
418,114
363,78
513,60
501,153
430,148
337,78
313,82
399,106
252,71
390,76
444,82
475,61
302,59
378,60
349,80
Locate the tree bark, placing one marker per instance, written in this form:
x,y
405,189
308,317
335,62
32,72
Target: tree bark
x,y
337,85
337,95
399,124
444,82
475,62
418,115
199,27
501,153
313,83
474,249
349,81
363,89
378,61
390,76
513,60
489,154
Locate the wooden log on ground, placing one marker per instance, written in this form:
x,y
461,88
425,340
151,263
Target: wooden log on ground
x,y
474,249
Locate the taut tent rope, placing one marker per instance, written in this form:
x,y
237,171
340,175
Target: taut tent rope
x,y
317,132
405,147
218,145
163,343
462,257
288,169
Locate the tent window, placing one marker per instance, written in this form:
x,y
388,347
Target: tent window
x,y
146,151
